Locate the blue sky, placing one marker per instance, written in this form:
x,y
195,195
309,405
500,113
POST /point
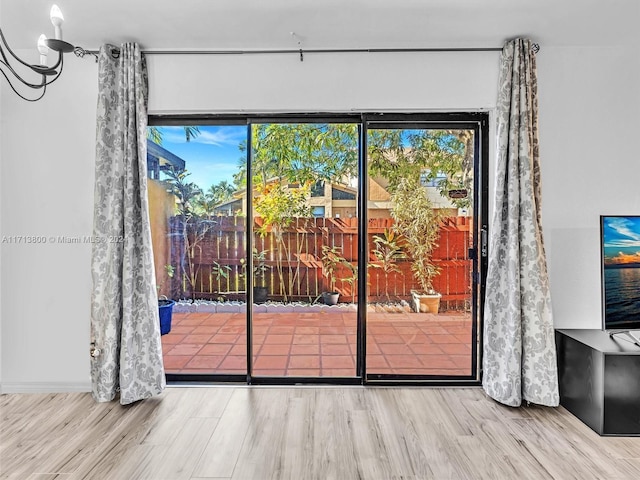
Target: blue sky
x,y
621,239
210,157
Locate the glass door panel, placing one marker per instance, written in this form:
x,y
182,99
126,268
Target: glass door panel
x,y
420,195
198,236
304,204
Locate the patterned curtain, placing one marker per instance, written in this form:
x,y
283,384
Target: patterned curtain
x,y
124,306
519,360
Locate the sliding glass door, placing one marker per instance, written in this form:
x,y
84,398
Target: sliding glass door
x,y
327,249
304,205
422,209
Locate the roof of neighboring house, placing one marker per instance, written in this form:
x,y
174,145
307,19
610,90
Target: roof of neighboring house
x,y
165,157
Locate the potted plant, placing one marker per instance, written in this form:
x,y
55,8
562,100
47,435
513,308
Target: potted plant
x,y
419,224
331,259
165,305
260,267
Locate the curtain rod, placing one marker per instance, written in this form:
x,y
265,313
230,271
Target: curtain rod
x,y
302,51
319,50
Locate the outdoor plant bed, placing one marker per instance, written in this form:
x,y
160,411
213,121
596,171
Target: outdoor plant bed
x,y
209,306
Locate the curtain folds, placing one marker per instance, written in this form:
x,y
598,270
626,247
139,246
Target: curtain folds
x,y
124,307
519,361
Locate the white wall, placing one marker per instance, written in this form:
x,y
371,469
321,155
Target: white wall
x,y
589,103
47,190
588,97
323,82
1,128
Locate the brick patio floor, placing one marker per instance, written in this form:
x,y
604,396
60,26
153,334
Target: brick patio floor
x,y
319,344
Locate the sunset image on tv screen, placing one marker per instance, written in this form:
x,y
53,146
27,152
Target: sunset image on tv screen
x,y
621,270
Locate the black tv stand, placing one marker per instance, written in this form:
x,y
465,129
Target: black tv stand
x,y
635,340
599,380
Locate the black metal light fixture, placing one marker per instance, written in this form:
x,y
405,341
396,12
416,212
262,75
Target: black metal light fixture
x,y
46,74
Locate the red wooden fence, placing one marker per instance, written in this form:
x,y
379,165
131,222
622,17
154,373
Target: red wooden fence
x,y
221,246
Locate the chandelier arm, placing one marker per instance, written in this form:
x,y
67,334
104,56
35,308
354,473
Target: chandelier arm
x,y
6,45
22,80
43,87
57,75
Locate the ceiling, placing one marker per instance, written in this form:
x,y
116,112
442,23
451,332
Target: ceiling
x,y
261,24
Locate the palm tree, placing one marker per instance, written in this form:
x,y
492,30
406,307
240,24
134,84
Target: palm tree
x,y
155,134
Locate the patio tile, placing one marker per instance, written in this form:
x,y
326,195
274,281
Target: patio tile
x,y
174,362
205,361
205,329
216,349
172,338
373,348
284,321
381,330
305,349
192,321
238,350
338,372
335,349
305,339
386,338
233,329
307,330
224,338
461,361
332,330
179,329
304,361
338,362
278,339
217,319
270,362
436,361
415,338
326,339
455,348
269,372
185,349
403,361
414,344
282,330
463,338
195,339
376,362
443,339
395,349
426,349
303,372
433,330
275,349
234,362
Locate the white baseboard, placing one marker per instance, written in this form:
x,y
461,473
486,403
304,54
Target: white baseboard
x,y
44,387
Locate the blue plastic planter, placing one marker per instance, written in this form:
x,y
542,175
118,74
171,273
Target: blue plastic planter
x,y
166,309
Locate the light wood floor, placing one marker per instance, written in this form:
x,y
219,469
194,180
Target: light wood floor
x,y
303,433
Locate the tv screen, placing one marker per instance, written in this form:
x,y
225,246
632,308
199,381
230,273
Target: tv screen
x,y
620,239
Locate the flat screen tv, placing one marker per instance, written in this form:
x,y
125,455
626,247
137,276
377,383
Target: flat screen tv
x,y
620,240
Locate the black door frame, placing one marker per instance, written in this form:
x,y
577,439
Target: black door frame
x,y
476,121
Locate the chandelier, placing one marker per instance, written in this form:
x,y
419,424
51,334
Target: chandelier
x,y
38,76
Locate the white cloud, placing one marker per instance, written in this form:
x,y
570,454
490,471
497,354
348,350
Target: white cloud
x,y
218,137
